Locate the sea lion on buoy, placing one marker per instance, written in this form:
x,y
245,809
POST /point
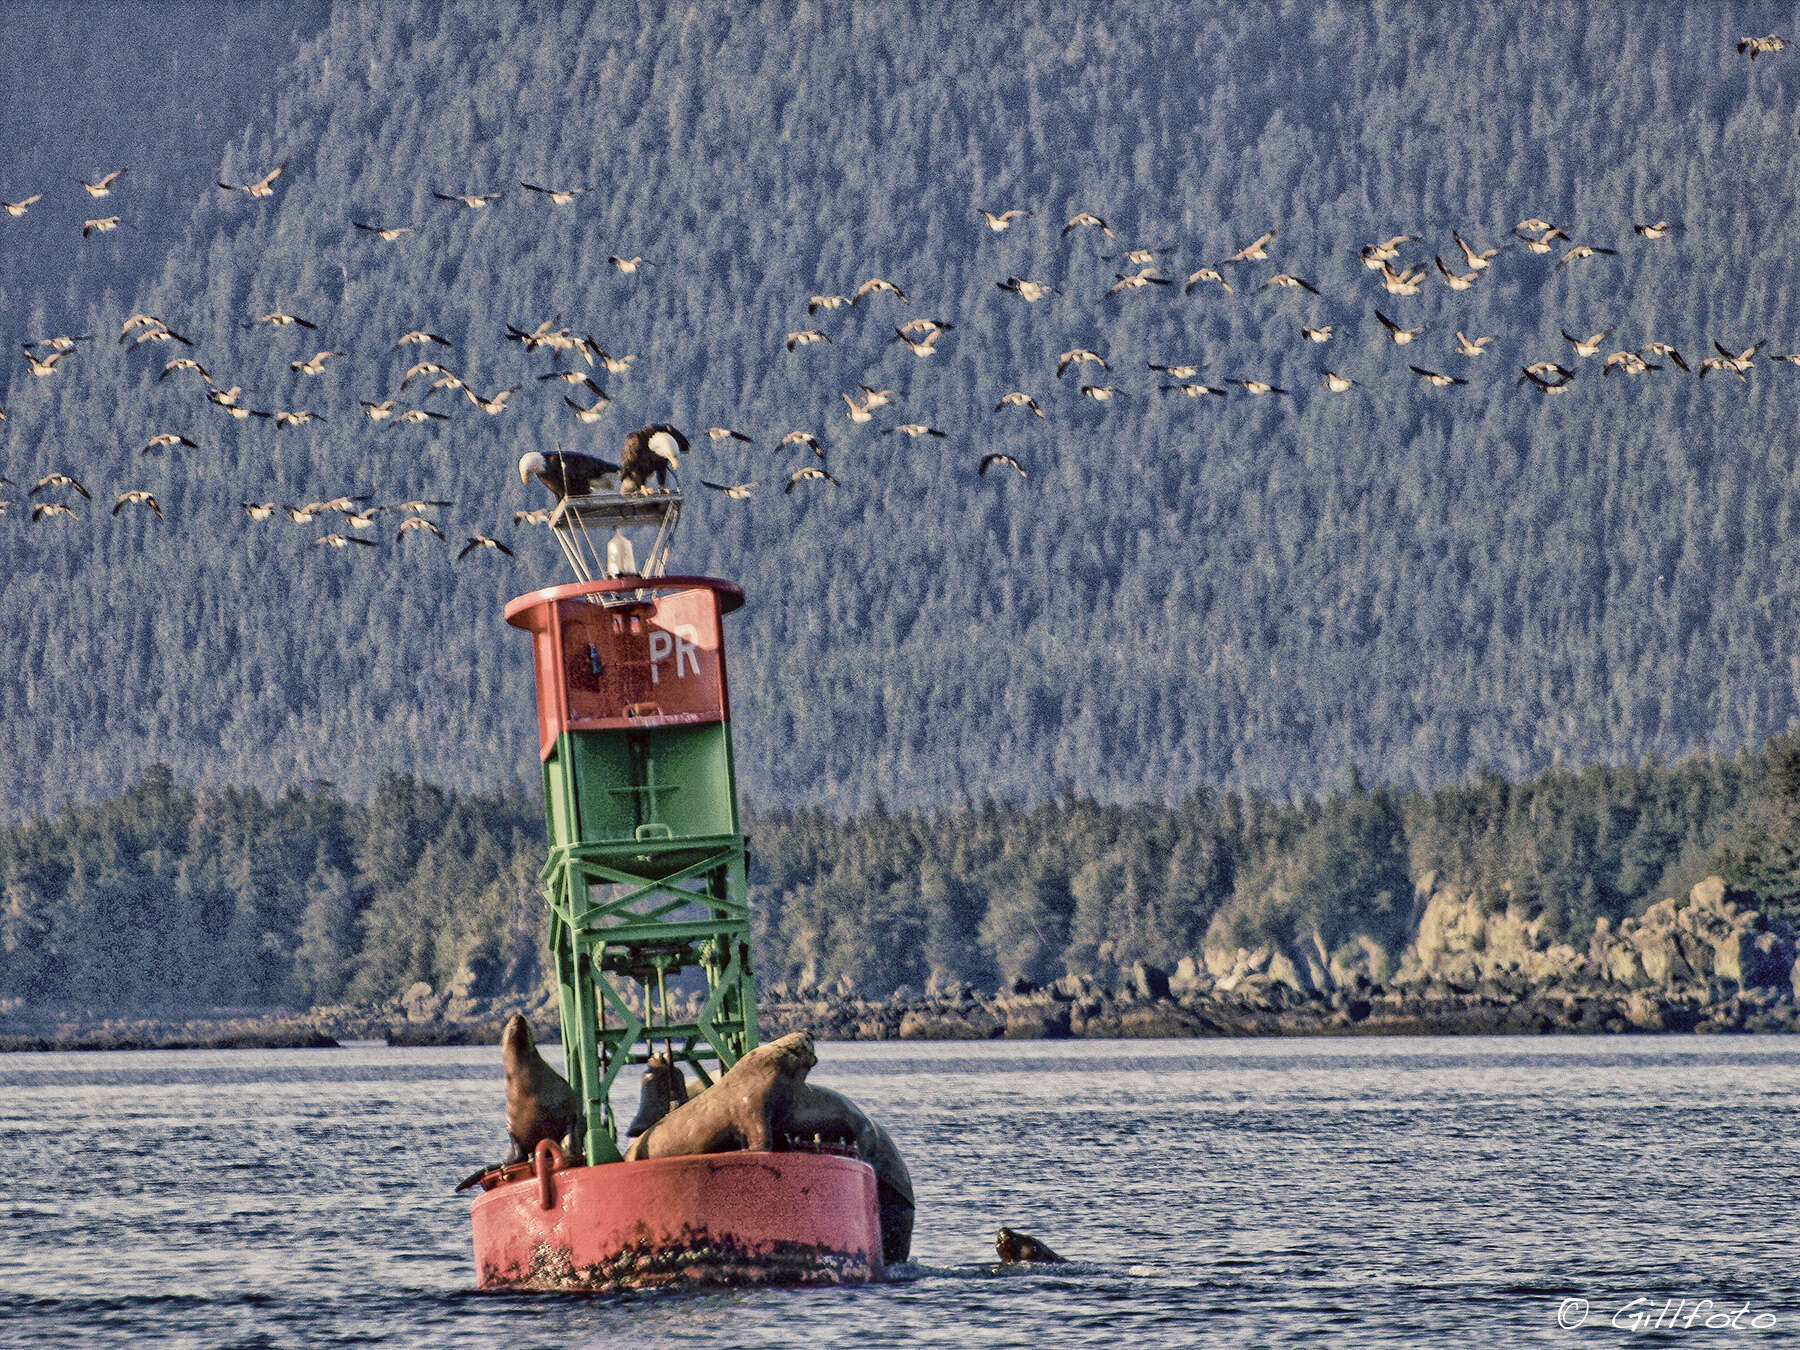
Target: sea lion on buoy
x,y
1016,1248
665,1087
745,1109
819,1112
540,1104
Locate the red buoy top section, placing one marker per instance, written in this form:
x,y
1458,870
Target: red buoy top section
x,y
627,652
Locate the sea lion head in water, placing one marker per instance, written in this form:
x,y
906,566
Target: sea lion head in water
x,y
1021,1247
539,1102
665,1088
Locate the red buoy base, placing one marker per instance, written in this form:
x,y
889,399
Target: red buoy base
x,y
714,1218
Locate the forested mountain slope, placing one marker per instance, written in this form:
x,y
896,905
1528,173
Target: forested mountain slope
x,y
1256,592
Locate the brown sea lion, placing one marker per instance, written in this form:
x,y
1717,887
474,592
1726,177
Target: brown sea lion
x,y
665,1087
540,1104
1021,1247
821,1112
745,1109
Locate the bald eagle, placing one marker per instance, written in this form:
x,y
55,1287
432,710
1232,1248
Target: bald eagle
x,y
651,450
567,473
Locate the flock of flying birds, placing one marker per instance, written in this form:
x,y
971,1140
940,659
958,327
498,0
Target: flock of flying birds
x,y
1397,276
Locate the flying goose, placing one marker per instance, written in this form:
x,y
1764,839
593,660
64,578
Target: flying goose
x,y
183,363
1542,244
62,343
51,480
1657,231
104,187
575,377
912,326
420,523
163,334
1534,375
1532,225
827,302
626,266
924,346
809,472
276,318
1629,362
19,208
736,491
914,430
1738,365
388,233
558,196
806,438
1478,258
303,515
474,200
479,542
377,412
224,398
419,505
1259,387
423,368
491,406
1468,346
140,321
1402,283
1138,280
104,225
298,418
1101,393
1665,350
1373,255
726,434
1401,336
540,336
1007,460
874,284
342,541
262,187
1028,291
1137,257
260,510
43,365
1588,346
1758,46
1255,251
592,413
615,365
804,338
1088,218
1336,383
163,440
1455,281
1181,372
448,380
315,366
133,498
1320,334
412,417
43,511
1190,390
1075,357
1004,220
363,519
877,398
1288,281
541,516
418,336
1434,379
1205,274
857,412
1019,400
1581,251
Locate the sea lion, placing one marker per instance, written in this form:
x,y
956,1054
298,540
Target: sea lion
x,y
1015,1248
540,1104
665,1087
743,1110
820,1112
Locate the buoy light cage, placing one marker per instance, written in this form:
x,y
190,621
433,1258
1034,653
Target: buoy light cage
x,y
580,525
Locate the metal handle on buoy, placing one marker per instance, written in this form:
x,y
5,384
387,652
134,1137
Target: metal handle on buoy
x,y
547,1158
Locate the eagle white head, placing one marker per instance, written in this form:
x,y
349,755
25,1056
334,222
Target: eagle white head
x,y
531,464
664,445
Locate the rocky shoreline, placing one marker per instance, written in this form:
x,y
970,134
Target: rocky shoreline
x,y
1700,963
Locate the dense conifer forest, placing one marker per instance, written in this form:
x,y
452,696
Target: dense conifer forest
x,y
171,899
1186,598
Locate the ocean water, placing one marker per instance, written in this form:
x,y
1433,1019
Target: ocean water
x,y
1402,1192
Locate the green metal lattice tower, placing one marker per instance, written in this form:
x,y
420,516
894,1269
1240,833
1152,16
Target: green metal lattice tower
x,y
645,877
